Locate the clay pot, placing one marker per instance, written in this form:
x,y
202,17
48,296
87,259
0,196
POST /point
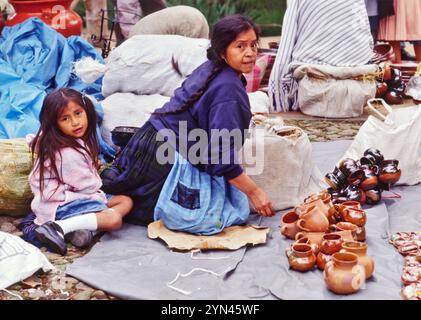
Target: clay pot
x,y
352,172
381,88
331,243
392,97
336,180
348,204
289,224
370,179
387,71
353,193
322,259
349,227
343,274
301,257
378,156
360,234
389,173
355,216
314,246
313,237
360,249
313,219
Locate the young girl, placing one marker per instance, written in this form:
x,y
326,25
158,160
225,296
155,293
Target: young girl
x,y
64,180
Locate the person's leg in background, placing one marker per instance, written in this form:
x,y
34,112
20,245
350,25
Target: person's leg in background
x,y
150,6
374,27
128,12
93,19
396,45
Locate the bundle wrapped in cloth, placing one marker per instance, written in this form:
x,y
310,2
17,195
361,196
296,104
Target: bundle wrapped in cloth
x,y
335,92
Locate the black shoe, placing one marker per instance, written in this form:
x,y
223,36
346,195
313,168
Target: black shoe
x,y
79,238
405,55
51,235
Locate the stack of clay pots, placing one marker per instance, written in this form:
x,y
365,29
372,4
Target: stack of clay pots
x,y
391,87
409,245
363,180
326,235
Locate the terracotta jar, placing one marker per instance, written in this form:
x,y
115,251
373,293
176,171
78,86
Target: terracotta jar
x,y
313,237
56,13
301,257
305,240
313,219
360,249
331,244
289,225
389,173
358,233
343,274
348,204
355,216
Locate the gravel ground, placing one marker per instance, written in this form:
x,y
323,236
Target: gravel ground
x,y
56,285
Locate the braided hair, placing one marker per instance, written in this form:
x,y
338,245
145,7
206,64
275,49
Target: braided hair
x,y
223,33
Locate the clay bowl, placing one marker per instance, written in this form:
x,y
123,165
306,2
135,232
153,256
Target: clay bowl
x,y
392,97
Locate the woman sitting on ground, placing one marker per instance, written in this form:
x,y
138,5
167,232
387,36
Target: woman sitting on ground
x,y
212,98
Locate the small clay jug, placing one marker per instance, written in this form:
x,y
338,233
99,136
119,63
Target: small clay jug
x,y
345,226
313,237
376,154
348,204
360,249
351,170
389,173
370,179
355,216
331,243
305,240
313,219
343,274
322,259
301,257
289,226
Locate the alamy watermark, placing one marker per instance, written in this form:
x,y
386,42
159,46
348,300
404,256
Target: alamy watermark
x,y
223,146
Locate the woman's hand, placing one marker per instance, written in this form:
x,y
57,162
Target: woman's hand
x,y
261,203
258,198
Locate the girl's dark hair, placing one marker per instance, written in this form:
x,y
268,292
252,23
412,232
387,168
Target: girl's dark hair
x,y
223,33
49,139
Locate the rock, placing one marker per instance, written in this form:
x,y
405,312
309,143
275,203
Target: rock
x,y
99,294
81,286
36,293
73,281
53,256
7,227
348,132
83,295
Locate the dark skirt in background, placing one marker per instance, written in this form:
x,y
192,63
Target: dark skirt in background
x,y
137,174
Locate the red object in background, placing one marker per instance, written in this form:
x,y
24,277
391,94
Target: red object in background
x,y
56,13
1,22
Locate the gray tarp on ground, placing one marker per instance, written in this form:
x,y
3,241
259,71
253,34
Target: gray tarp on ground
x,y
128,265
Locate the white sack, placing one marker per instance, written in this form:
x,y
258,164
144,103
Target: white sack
x,y
128,109
289,174
142,64
398,137
19,260
328,91
182,20
259,102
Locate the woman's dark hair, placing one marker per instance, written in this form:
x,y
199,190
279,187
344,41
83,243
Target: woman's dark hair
x,y
223,33
49,139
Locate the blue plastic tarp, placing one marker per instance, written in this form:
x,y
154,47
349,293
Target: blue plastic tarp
x,y
34,60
